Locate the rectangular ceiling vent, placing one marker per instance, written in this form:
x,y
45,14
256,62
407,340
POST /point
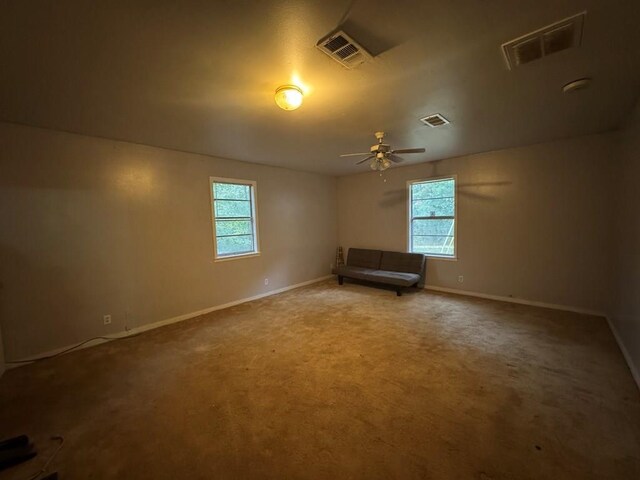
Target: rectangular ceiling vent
x,y
545,41
343,49
435,120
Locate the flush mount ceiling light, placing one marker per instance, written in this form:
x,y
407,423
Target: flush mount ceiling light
x,y
288,97
576,85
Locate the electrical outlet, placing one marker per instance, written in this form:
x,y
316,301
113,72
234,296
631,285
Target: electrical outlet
x,y
331,266
266,281
106,319
460,278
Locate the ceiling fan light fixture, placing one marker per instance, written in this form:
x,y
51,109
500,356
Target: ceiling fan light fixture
x,y
380,164
289,97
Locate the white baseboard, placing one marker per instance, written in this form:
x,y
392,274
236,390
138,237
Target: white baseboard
x,y
625,353
162,323
520,301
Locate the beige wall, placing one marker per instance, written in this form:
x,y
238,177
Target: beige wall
x,y
533,222
626,310
91,227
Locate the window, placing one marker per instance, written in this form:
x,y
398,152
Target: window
x,y
234,217
432,217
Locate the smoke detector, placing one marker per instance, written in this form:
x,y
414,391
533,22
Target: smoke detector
x,y
343,49
435,120
545,41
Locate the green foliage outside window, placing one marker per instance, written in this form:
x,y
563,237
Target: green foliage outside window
x,y
433,217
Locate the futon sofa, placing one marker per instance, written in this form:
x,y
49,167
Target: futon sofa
x,y
397,269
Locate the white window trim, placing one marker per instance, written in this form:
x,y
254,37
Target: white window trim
x,y
455,213
254,206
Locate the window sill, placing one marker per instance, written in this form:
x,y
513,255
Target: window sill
x,y
237,257
438,257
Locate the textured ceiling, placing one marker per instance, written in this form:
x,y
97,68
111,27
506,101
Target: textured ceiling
x,y
199,76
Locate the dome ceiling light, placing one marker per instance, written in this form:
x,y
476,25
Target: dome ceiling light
x,y
289,97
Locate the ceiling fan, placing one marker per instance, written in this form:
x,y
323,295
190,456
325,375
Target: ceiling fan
x,y
381,155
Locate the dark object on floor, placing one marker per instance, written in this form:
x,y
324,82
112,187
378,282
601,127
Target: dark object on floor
x,y
53,476
390,268
14,451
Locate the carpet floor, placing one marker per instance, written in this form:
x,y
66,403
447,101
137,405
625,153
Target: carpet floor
x,y
339,382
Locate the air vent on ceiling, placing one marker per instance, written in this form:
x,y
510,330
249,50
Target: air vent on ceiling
x,y
545,41
435,120
343,49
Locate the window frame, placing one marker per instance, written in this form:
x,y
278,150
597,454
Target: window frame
x,y
409,217
254,217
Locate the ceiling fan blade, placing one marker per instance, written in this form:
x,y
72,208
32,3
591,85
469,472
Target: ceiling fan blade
x,y
409,150
365,159
395,158
355,154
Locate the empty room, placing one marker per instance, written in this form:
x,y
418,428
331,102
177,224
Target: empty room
x,y
304,239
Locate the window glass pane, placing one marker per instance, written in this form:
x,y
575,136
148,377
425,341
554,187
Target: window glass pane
x,y
432,235
432,227
434,245
433,189
233,227
233,245
232,208
234,220
440,207
228,191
